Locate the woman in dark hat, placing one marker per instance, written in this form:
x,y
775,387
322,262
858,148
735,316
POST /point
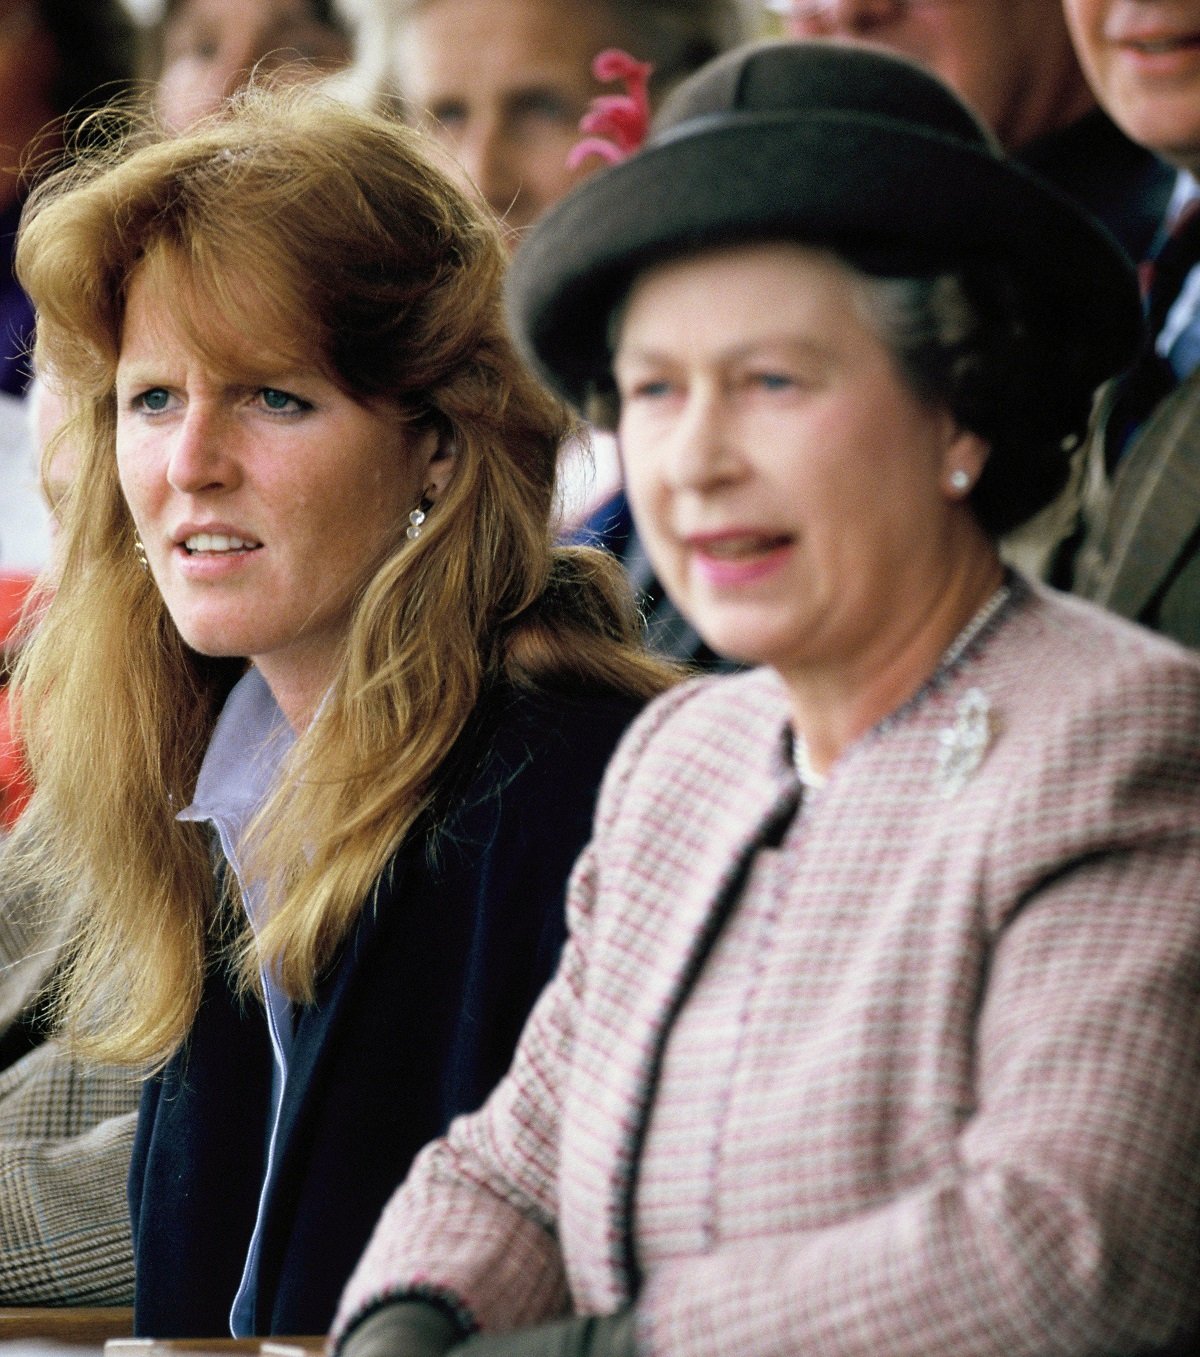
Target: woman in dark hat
x,y
876,1030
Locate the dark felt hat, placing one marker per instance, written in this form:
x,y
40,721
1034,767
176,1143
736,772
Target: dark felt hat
x,y
846,147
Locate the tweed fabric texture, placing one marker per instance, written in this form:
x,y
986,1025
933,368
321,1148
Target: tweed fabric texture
x,y
66,1132
1140,553
906,1073
29,943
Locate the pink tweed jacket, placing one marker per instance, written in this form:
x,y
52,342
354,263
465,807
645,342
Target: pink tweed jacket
x,y
913,1071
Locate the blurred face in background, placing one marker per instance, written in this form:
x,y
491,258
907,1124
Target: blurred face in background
x,y
28,69
1143,59
209,48
503,84
1011,60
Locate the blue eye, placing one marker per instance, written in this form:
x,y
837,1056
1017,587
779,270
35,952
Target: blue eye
x,y
157,398
281,402
651,390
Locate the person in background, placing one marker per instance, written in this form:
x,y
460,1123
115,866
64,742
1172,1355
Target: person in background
x,y
875,1033
1013,61
503,84
326,799
202,51
58,60
1137,549
66,1123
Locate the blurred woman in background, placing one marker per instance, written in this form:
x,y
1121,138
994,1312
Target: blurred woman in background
x,y
202,51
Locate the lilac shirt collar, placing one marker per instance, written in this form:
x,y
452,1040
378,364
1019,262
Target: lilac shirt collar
x,y
249,744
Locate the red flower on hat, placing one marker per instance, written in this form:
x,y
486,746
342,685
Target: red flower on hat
x,y
615,124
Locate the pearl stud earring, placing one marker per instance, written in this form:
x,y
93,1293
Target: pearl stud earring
x,y
418,516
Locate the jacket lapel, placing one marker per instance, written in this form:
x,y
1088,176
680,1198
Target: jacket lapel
x,y
307,1073
1155,506
655,926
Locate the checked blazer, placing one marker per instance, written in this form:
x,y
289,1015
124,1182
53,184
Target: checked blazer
x,y
905,1066
66,1132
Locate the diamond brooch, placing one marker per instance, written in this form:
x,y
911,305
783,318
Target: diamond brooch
x,y
963,745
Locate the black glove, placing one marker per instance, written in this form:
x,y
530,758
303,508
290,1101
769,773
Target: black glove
x,y
588,1336
405,1328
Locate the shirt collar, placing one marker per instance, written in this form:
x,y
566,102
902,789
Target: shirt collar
x,y
250,741
1186,190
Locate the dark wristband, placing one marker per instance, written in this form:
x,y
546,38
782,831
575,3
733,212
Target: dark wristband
x,y
585,1336
405,1328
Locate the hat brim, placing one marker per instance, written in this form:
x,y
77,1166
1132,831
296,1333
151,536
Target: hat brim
x,y
891,198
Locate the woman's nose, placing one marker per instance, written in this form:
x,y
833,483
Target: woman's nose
x,y
703,450
200,458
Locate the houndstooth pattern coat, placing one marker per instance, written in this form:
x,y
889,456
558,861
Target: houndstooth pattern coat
x,y
66,1132
913,1070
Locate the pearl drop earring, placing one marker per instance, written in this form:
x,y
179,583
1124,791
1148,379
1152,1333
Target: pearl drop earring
x,y
960,480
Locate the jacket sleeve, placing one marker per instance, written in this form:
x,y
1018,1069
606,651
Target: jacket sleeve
x,y
473,1227
66,1131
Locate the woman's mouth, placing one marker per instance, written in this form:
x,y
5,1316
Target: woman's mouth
x,y
1148,38
739,559
741,548
217,543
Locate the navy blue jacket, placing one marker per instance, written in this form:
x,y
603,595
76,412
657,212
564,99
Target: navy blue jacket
x,y
414,1023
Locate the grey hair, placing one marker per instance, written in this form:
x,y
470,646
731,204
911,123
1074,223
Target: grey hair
x,y
916,319
960,340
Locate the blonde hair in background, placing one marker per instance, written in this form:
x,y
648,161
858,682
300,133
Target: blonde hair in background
x,y
291,216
